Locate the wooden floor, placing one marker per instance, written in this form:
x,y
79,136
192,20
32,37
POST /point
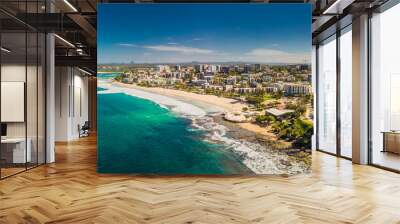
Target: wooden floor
x,y
387,159
70,191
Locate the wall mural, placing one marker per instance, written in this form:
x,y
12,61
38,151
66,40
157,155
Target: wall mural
x,y
204,89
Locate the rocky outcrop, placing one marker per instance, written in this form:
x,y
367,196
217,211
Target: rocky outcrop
x,y
235,117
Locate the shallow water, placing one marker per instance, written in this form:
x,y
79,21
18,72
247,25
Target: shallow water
x,y
138,136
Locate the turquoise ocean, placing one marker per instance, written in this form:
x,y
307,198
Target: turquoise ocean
x,y
138,136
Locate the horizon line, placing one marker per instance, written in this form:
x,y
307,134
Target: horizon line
x,y
202,62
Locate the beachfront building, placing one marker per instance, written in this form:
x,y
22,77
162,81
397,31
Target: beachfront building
x,y
271,89
199,83
214,87
296,89
163,68
199,68
228,88
278,113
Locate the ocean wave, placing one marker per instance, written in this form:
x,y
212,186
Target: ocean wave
x,y
166,102
108,91
256,157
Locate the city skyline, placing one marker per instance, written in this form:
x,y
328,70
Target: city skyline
x,y
212,33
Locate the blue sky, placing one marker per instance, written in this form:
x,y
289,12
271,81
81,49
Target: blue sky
x,y
174,33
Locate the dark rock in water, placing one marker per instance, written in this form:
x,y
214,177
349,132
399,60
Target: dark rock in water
x,y
286,157
235,131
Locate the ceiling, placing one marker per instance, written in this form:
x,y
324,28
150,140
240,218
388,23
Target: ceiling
x,y
75,21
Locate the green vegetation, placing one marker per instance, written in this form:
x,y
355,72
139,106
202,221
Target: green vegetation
x,y
215,92
119,78
299,108
263,119
255,99
296,129
260,100
180,86
303,131
144,84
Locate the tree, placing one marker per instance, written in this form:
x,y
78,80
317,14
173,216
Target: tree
x,y
261,119
255,99
119,78
304,131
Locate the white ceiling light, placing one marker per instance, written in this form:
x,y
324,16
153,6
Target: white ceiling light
x,y
5,50
338,6
86,72
70,5
65,41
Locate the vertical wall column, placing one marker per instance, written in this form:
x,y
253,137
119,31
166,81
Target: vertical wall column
x,y
71,102
360,89
63,100
314,89
50,98
50,91
92,100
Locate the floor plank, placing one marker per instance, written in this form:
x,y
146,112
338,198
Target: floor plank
x,y
70,191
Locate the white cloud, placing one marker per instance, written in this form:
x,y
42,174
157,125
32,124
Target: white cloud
x,y
180,49
276,56
172,47
180,53
128,45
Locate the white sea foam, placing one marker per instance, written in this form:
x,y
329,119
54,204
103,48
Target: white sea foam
x,y
256,157
176,106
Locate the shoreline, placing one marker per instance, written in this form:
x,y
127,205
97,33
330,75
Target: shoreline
x,y
224,104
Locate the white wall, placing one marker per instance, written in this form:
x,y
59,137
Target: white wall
x,y
71,102
62,82
33,126
14,72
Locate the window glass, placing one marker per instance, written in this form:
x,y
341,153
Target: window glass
x,y
385,88
327,95
346,92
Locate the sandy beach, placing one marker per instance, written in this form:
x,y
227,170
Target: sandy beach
x,y
225,104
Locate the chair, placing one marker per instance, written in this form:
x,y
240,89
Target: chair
x,y
84,130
